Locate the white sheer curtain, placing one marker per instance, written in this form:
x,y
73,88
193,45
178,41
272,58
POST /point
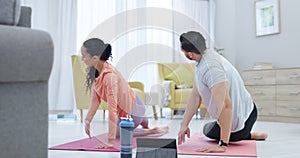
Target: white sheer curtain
x,y
91,13
152,42
142,32
128,27
58,17
157,44
193,15
172,17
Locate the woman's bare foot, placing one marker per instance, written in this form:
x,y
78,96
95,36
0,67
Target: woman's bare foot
x,y
259,136
158,130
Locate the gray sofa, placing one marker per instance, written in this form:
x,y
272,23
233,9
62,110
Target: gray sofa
x,y
26,57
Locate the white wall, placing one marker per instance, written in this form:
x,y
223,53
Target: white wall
x,y
225,28
235,31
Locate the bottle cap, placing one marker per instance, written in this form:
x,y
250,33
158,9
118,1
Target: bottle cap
x,y
128,117
126,122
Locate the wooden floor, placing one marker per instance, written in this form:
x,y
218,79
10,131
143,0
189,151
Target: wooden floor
x,y
283,141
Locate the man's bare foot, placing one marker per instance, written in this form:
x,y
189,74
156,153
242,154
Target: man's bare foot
x,y
158,130
259,136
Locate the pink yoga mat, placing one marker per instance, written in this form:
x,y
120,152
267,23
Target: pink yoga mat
x,y
245,148
88,144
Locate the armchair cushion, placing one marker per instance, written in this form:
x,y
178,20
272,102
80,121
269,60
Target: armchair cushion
x,y
140,93
182,95
182,76
138,88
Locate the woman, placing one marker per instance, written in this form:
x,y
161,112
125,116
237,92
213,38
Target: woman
x,y
108,84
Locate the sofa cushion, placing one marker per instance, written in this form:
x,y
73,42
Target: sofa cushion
x,y
182,76
9,12
25,17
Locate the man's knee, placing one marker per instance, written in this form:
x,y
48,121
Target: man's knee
x,y
205,129
208,128
211,130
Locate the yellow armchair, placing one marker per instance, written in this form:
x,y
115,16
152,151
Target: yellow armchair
x,y
183,76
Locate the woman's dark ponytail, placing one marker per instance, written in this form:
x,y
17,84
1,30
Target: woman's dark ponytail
x,y
106,53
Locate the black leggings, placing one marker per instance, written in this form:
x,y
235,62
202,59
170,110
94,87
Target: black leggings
x,y
212,129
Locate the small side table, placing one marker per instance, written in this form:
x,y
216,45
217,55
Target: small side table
x,y
153,99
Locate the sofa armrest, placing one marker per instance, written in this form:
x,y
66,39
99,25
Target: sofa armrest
x,y
26,54
25,65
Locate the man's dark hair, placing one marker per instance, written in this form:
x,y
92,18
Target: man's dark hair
x,y
192,41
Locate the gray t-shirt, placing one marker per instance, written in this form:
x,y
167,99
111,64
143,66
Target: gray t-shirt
x,y
213,69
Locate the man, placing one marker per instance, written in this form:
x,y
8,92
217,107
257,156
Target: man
x,y
222,90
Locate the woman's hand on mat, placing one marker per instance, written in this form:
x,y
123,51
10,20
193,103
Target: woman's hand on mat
x,y
212,149
87,128
110,143
184,130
